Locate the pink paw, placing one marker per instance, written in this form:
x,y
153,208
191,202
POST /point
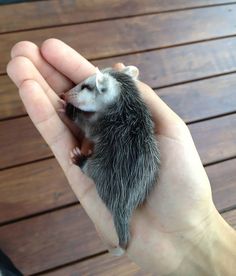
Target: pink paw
x,y
63,106
75,155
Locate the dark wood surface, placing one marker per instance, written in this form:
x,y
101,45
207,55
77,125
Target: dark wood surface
x,y
42,242
215,140
106,265
35,15
122,36
186,51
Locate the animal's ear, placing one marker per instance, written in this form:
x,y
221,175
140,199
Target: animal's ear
x,y
101,81
132,71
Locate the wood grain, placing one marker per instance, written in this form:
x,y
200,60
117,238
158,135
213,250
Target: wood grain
x,y
41,186
20,142
181,64
33,188
202,99
191,101
65,237
10,103
107,265
168,67
58,12
230,217
50,240
215,139
222,177
123,35
58,238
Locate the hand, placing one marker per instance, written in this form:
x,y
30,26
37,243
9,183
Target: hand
x,y
177,214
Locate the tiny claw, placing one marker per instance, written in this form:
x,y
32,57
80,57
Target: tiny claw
x,y
77,150
61,110
62,102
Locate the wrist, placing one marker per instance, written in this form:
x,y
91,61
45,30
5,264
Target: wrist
x,y
214,253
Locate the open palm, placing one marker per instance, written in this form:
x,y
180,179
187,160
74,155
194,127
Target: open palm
x,y
175,213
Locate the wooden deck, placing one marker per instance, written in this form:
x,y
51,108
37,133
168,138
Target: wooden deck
x,y
185,49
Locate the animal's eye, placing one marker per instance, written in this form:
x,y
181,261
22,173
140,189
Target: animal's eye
x,y
86,86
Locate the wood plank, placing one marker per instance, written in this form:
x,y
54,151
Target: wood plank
x,y
123,35
33,188
230,217
50,240
20,142
191,101
56,12
10,104
215,139
23,191
107,265
168,67
222,177
57,238
104,265
181,64
202,99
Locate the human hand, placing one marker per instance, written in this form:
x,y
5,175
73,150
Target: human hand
x,y
176,215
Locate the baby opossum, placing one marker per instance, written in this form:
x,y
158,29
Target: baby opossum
x,y
125,160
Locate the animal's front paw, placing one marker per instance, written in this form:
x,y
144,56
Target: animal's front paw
x,y
77,157
62,108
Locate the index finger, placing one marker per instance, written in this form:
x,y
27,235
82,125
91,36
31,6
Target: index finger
x,y
66,60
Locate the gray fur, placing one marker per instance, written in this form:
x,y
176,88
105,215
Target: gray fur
x,y
125,160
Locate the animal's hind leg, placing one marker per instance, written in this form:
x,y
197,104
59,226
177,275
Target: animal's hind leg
x,y
78,158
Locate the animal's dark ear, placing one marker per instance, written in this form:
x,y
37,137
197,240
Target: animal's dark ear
x,y
132,71
101,81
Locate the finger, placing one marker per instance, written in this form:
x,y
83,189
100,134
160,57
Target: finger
x,y
119,66
57,81
20,69
66,60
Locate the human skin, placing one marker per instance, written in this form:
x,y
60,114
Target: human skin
x,y
178,231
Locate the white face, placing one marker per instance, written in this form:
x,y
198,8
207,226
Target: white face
x,y
97,91
83,95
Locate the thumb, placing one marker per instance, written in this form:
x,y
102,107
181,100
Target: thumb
x,y
164,117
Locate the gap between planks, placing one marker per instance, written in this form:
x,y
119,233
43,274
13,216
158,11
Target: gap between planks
x,y
115,17
177,45
71,263
102,253
65,206
159,88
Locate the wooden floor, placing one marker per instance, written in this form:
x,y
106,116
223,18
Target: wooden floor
x,y
185,49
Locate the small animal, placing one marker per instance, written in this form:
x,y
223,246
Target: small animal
x,y
125,160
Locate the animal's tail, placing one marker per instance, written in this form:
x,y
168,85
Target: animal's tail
x,y
121,222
